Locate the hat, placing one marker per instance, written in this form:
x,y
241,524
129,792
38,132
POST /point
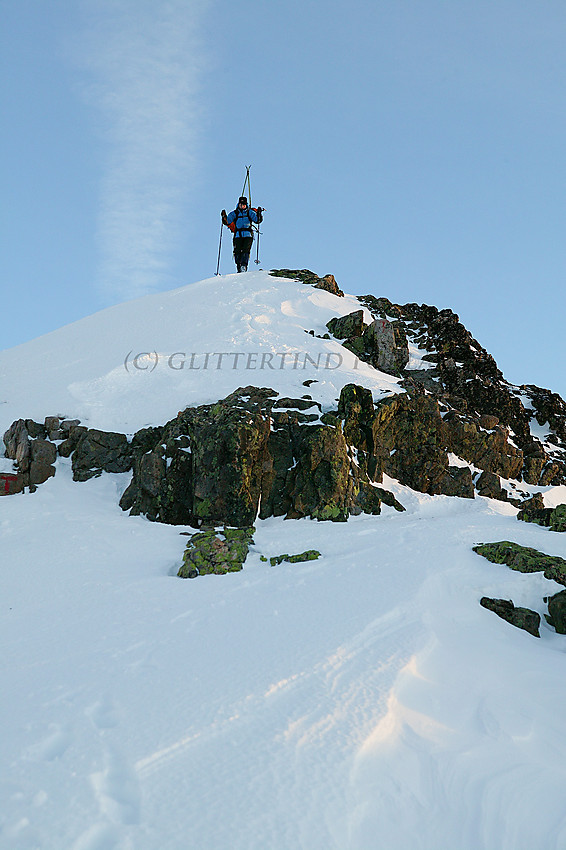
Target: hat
x,y
243,200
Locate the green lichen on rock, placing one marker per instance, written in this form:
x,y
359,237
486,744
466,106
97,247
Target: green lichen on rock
x,y
524,559
522,618
217,552
557,612
533,510
558,518
309,555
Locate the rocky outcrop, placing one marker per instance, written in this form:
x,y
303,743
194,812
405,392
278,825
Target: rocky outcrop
x,y
557,612
381,344
327,282
549,409
456,429
467,380
522,618
95,452
33,454
351,325
216,552
249,454
534,511
524,559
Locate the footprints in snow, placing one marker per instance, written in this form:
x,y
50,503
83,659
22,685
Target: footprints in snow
x,y
116,787
114,784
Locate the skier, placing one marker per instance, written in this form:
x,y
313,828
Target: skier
x,y
240,223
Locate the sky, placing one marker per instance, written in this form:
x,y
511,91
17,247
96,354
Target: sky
x,y
414,150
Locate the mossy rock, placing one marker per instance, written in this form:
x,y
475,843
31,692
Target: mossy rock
x,y
524,559
309,555
522,618
216,552
558,518
557,612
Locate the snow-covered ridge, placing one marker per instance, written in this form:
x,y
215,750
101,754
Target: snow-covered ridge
x,y
138,363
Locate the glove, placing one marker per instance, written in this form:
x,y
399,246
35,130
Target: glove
x,y
224,217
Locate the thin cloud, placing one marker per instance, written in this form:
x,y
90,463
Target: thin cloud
x,y
144,63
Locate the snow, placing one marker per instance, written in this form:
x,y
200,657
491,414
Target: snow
x,y
361,701
139,363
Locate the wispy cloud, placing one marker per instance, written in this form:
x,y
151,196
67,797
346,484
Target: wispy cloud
x,y
144,63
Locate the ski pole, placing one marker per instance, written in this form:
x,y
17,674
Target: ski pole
x,y
219,247
260,210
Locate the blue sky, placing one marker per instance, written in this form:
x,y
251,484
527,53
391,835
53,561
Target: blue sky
x,y
413,149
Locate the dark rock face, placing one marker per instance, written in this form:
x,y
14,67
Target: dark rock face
x,y
469,382
534,511
557,612
522,618
524,559
343,327
212,552
306,276
381,344
99,451
31,446
34,455
250,452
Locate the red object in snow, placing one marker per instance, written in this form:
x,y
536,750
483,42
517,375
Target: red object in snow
x,y
6,479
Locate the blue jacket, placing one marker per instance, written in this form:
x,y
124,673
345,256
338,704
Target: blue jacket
x,y
243,219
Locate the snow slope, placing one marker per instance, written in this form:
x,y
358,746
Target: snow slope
x,y
364,701
140,362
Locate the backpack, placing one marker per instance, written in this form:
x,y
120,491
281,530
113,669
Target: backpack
x,y
232,224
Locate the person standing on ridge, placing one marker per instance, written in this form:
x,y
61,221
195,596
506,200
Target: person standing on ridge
x,y
240,223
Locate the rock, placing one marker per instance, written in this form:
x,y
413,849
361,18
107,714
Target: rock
x,y
558,518
409,442
342,327
557,612
52,427
100,451
490,450
327,282
34,456
309,555
533,510
383,345
35,429
43,451
42,464
74,435
522,618
467,376
253,452
488,422
11,483
386,353
458,482
216,552
17,443
488,484
549,409
524,559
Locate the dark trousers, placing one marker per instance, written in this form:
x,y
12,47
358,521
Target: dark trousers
x,y
242,248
